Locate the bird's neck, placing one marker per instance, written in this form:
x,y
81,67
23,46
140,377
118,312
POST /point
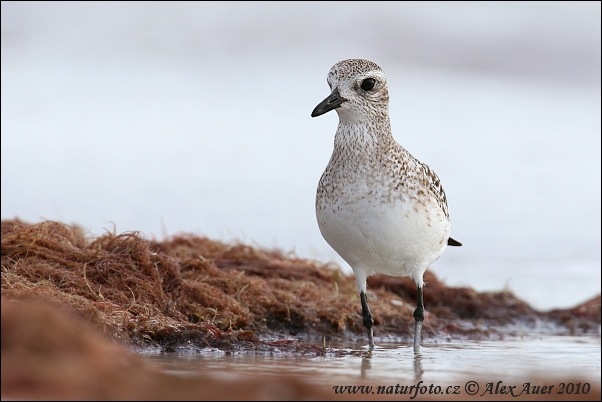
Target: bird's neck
x,y
365,138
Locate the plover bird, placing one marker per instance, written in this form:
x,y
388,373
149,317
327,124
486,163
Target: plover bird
x,y
381,209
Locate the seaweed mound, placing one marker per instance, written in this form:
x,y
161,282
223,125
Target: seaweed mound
x,y
190,290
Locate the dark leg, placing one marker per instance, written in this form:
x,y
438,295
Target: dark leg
x,y
368,321
419,317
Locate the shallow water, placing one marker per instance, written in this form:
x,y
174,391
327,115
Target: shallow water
x,y
515,361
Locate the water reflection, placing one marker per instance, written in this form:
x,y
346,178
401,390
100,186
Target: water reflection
x,y
508,360
366,365
367,357
418,371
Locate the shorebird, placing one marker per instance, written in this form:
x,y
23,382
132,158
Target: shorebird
x,y
380,208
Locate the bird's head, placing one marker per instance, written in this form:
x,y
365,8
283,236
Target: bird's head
x,y
358,91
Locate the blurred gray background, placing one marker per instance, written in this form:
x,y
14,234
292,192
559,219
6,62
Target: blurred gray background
x,y
195,117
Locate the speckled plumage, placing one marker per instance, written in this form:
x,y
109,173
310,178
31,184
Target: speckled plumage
x,y
380,208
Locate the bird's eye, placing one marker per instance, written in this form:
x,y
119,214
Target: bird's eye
x,y
368,84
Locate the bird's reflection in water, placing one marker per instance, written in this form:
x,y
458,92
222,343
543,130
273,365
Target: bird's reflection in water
x,y
418,366
367,365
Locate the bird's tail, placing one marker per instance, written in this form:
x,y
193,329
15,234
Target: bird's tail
x,y
453,242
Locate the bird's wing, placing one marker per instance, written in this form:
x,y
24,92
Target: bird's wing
x,y
435,188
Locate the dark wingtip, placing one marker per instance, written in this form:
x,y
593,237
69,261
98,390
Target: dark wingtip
x,y
453,242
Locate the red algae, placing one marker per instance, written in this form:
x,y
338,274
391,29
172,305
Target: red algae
x,y
195,291
48,354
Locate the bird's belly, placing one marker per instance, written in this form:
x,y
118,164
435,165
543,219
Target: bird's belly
x,y
394,238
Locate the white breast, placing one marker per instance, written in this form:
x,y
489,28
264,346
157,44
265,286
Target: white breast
x,y
400,237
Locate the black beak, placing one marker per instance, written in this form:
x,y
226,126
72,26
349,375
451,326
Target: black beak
x,y
333,101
